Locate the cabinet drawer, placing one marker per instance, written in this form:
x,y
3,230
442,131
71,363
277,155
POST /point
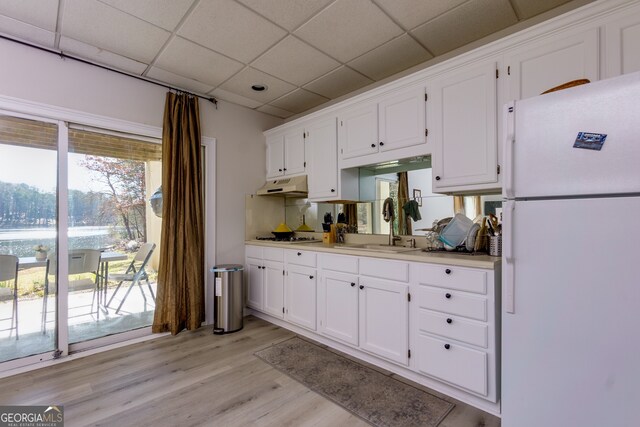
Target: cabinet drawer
x,y
447,301
253,251
456,364
298,257
273,254
450,277
453,327
342,263
383,269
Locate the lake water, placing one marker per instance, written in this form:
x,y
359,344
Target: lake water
x,y
20,242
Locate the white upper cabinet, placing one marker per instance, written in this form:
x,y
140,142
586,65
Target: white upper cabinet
x,y
463,127
551,62
285,153
395,121
322,168
402,119
622,48
359,131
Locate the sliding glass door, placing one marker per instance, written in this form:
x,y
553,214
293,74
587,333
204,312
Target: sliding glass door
x,y
28,236
80,217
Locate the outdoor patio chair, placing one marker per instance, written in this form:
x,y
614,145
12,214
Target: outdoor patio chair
x,y
9,272
134,275
80,261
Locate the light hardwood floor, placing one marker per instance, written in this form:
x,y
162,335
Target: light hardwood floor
x,y
192,379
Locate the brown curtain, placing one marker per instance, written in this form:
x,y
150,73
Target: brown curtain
x,y
180,298
404,224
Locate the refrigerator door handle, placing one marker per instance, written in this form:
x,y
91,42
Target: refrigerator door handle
x,y
508,278
508,131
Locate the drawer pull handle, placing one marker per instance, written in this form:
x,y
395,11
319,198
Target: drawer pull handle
x,y
352,284
381,143
447,295
447,346
373,145
361,287
448,271
449,320
299,253
310,277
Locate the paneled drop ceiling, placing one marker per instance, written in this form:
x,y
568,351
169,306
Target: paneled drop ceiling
x,y
306,52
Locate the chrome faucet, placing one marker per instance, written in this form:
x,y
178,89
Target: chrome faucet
x,y
388,215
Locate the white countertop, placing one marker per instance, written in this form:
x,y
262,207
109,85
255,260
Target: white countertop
x,y
417,255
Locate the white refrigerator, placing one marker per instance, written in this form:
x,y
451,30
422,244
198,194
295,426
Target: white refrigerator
x,y
571,258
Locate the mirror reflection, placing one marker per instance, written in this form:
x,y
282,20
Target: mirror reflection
x,y
408,184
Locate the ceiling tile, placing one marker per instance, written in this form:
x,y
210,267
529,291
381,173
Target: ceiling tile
x,y
27,32
349,28
41,13
175,80
527,8
411,13
298,101
390,58
295,61
163,13
338,82
83,50
230,28
286,13
241,85
453,29
275,111
236,99
188,59
100,25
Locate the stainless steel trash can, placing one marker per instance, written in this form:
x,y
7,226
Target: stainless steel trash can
x,y
228,298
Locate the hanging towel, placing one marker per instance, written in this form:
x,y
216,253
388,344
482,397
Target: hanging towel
x,y
411,209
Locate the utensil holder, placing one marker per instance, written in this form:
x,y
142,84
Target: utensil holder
x,y
495,245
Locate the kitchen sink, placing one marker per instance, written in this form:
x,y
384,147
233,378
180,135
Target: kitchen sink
x,y
378,248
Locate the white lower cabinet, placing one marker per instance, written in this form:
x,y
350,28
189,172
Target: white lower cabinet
x,y
338,296
300,291
437,324
384,319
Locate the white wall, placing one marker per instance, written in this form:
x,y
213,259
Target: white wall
x,y
29,74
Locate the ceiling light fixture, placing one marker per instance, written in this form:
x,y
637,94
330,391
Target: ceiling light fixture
x,y
259,87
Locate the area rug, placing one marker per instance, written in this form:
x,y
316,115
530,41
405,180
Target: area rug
x,y
376,398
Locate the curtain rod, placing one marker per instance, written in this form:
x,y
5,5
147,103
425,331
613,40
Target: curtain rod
x,y
84,61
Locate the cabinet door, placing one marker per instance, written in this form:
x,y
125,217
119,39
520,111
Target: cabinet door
x,y
359,131
402,119
339,306
301,296
464,128
384,319
294,152
322,172
275,156
623,45
274,288
254,283
552,62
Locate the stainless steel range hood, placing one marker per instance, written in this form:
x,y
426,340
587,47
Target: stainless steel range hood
x,y
295,186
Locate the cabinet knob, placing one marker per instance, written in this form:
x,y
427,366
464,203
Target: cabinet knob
x,y
284,169
449,320
299,253
447,346
361,287
447,295
333,190
352,284
448,271
373,145
279,170
381,143
263,267
310,277
437,178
